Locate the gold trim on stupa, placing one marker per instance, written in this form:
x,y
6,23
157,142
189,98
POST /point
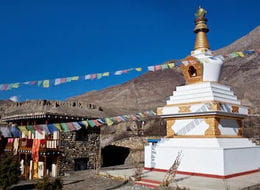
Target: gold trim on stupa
x,y
201,30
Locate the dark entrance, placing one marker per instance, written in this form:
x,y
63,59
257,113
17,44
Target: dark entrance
x,y
114,155
81,164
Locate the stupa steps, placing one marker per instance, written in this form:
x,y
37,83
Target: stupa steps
x,y
201,98
203,90
202,85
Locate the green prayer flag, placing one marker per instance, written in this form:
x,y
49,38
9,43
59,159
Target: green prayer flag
x,y
39,83
99,75
91,123
233,55
30,128
69,79
164,66
65,127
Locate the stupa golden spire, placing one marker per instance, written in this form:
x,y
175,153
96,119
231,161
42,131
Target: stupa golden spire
x,y
201,30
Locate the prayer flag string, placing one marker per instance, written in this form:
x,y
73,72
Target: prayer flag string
x,y
169,65
16,131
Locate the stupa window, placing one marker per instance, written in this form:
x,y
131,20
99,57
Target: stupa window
x,y
192,71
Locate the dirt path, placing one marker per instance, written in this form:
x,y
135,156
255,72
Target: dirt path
x,y
87,180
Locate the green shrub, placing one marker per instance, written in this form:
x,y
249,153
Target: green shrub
x,y
9,170
48,183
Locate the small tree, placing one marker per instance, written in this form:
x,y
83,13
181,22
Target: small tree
x,y
9,170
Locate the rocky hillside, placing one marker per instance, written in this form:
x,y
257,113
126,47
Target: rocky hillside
x,y
142,93
153,88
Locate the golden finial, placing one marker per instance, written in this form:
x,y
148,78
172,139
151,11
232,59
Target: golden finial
x,y
201,30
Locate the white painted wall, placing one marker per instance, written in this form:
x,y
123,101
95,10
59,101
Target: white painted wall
x,y
223,156
190,127
228,127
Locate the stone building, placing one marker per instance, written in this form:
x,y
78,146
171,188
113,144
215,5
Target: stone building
x,y
59,152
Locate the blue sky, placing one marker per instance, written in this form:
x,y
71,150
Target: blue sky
x,y
50,39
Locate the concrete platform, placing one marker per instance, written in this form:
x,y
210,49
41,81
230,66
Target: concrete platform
x,y
153,179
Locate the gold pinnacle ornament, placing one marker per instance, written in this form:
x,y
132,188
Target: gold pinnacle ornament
x,y
201,30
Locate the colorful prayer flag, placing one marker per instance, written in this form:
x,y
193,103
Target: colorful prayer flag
x,y
39,83
85,123
93,76
30,128
157,67
150,68
76,125
38,128
96,122
58,126
241,54
57,82
106,74
75,78
109,122
45,129
233,55
91,123
69,79
170,65
99,75
87,77
15,85
46,83
138,69
52,128
185,63
118,73
249,51
71,126
65,127
23,130
164,66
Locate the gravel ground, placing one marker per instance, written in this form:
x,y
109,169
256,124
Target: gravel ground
x,y
87,180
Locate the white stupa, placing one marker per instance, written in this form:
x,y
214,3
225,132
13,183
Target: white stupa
x,y
204,121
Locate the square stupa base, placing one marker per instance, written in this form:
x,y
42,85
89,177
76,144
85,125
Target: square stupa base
x,y
209,157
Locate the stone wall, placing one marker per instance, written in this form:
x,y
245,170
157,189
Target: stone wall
x,y
81,147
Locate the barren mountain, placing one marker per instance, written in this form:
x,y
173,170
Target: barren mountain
x,y
152,89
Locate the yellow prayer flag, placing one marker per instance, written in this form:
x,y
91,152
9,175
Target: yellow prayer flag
x,y
170,65
57,125
46,83
23,130
85,123
75,78
106,74
241,54
138,69
15,85
109,121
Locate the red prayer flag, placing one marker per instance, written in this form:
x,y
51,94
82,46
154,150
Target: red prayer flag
x,y
157,67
